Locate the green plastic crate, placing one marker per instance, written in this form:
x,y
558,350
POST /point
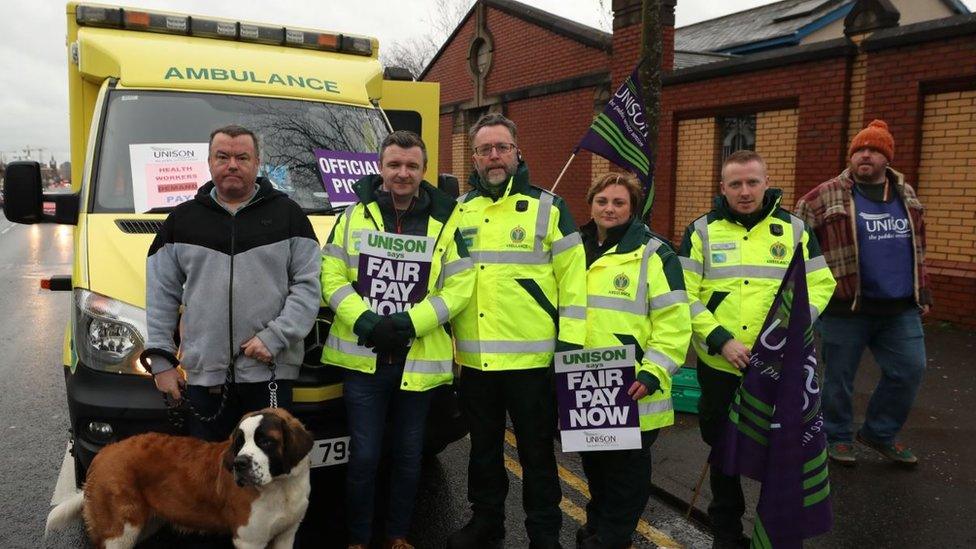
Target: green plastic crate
x,y
685,391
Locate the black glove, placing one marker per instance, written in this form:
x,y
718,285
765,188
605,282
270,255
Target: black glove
x,y
386,338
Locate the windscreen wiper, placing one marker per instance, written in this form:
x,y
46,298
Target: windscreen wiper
x,y
159,210
331,210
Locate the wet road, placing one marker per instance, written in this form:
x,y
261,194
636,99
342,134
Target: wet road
x,y
34,423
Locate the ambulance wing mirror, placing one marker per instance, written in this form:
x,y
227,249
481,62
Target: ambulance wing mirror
x,y
24,199
449,184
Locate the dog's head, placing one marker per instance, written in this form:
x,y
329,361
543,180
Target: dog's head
x,y
265,445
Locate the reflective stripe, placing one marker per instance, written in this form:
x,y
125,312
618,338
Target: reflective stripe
x,y
617,304
352,261
566,243
815,264
542,220
573,311
440,308
348,347
814,313
798,227
690,264
701,227
670,298
747,271
661,359
697,308
649,250
428,366
348,214
654,406
541,346
511,258
343,292
456,266
336,251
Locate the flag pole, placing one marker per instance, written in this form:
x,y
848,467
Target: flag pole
x,y
568,162
694,497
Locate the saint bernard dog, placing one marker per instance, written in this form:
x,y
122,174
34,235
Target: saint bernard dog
x,y
254,486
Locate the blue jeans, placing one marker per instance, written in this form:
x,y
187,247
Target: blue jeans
x,y
898,346
370,399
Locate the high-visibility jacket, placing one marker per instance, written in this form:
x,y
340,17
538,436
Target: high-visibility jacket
x,y
636,296
429,361
732,274
531,277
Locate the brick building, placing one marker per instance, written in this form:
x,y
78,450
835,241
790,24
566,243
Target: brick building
x,y
793,80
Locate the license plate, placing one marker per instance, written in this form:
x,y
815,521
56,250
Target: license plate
x,y
330,451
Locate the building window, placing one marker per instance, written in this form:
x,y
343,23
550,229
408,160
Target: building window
x,y
480,56
738,133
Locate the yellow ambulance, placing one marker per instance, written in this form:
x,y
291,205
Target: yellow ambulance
x,y
145,90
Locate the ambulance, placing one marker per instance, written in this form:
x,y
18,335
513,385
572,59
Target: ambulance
x,y
145,90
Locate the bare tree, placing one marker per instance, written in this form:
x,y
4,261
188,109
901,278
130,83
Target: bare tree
x,y
413,54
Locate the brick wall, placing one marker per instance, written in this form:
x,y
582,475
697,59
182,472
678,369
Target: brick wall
x,y
451,67
696,173
776,142
947,168
519,48
549,128
859,70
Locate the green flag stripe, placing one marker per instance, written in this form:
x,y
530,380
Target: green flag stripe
x,y
760,539
815,462
817,496
760,422
746,430
618,142
815,479
612,134
609,138
632,87
605,121
756,403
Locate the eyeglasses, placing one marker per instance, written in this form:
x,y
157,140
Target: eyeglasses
x,y
502,148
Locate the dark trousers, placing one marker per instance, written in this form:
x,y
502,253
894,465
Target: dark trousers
x,y
620,485
242,398
528,398
370,399
728,504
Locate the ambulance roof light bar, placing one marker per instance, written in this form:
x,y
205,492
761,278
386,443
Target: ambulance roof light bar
x,y
93,15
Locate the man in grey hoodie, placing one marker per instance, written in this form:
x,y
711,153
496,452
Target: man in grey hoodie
x,y
242,261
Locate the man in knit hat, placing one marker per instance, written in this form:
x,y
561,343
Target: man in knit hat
x,y
872,232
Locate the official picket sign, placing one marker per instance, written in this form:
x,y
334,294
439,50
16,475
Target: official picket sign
x,y
393,270
340,169
595,411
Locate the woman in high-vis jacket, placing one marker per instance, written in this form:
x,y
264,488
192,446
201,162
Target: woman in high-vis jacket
x,y
636,297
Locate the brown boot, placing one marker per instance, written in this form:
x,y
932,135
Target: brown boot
x,y
397,543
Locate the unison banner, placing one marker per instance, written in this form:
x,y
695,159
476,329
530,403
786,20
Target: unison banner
x,y
595,411
393,270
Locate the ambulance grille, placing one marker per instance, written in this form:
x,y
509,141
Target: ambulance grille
x,y
139,226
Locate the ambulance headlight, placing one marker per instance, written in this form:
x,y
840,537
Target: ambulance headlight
x,y
108,334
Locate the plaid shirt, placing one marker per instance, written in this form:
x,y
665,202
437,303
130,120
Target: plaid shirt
x,y
829,211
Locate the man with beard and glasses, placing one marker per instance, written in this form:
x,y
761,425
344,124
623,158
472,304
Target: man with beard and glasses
x,y
871,229
529,301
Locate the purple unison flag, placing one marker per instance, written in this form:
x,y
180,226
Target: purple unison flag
x,y
619,134
775,429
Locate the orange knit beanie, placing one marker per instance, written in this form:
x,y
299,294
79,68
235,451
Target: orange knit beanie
x,y
876,136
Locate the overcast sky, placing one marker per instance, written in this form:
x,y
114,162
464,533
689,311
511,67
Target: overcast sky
x,y
33,91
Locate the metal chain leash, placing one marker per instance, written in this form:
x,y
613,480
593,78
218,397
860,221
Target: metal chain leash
x,y
173,407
